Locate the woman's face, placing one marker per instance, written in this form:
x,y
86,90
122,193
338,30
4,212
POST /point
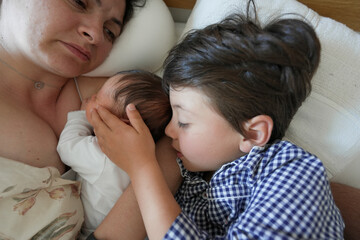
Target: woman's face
x,y
67,37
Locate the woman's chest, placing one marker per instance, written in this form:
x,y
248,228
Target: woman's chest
x,y
30,137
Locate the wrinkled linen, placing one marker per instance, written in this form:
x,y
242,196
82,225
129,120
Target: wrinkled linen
x,y
36,203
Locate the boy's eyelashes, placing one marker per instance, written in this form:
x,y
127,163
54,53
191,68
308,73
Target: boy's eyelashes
x,y
182,125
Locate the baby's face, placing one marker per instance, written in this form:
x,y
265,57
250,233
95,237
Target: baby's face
x,y
104,97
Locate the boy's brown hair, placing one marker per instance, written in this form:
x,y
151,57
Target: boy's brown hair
x,y
246,70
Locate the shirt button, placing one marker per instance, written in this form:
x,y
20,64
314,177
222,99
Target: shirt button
x,y
204,195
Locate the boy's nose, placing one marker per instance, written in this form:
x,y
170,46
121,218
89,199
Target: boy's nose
x,y
169,130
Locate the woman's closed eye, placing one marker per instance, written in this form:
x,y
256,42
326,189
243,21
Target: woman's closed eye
x,y
109,31
109,34
81,4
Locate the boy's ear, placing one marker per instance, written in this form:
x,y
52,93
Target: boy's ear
x,y
257,132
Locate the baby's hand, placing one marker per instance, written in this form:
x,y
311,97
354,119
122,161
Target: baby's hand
x,y
128,146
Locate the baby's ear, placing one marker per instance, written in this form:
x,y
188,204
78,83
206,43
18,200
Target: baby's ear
x,y
257,132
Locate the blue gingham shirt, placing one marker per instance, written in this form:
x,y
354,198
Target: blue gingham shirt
x,y
280,192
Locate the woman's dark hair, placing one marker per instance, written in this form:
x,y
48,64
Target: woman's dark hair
x,y
129,10
247,70
144,89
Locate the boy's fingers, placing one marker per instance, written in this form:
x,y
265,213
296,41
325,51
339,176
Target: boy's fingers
x,y
134,117
109,119
97,122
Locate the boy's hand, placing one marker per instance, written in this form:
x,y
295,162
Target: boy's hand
x,y
129,146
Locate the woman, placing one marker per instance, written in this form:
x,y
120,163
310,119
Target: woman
x,y
41,52
44,45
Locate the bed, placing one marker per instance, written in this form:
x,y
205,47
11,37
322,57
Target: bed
x,y
328,123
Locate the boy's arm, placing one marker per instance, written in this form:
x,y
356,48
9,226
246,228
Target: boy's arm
x,y
124,220
156,202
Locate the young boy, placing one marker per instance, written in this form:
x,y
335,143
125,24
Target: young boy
x,y
234,88
102,181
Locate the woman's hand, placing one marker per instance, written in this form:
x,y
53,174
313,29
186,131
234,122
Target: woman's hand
x,y
129,146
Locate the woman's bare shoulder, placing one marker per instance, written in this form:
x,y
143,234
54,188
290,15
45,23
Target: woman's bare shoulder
x,y
347,199
90,85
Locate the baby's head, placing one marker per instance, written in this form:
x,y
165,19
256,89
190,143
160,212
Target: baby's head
x,y
246,70
141,88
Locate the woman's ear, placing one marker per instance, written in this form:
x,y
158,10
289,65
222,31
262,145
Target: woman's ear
x,y
257,132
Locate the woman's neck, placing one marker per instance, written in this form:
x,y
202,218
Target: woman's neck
x,y
24,70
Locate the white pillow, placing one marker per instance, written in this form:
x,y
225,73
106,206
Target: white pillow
x,y
144,43
328,123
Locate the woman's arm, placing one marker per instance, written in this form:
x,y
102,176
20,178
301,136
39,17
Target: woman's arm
x,y
347,200
125,221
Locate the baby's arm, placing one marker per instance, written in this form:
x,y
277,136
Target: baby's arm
x,y
157,204
78,148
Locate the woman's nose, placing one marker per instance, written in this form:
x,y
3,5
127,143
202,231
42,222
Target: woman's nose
x,y
92,31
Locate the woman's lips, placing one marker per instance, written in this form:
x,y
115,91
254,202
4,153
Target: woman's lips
x,y
78,51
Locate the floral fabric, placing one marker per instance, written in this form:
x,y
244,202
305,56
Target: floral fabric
x,y
36,203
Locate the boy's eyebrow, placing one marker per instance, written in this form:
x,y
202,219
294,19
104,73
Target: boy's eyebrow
x,y
177,106
180,107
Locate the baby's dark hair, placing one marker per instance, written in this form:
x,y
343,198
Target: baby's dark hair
x,y
143,89
246,70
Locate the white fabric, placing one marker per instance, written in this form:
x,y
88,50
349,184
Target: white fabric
x,y
102,181
328,124
144,43
35,203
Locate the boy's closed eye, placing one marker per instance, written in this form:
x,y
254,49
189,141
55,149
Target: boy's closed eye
x,y
182,125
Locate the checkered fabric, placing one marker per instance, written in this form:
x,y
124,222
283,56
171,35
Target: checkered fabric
x,y
278,192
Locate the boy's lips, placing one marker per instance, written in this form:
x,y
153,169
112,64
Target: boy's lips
x,y
179,155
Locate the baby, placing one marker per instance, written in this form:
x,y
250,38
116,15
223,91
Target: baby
x,y
102,181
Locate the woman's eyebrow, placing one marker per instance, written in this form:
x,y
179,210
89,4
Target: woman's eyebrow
x,y
115,20
118,22
98,2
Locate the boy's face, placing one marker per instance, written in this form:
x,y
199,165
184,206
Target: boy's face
x,y
104,97
203,138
